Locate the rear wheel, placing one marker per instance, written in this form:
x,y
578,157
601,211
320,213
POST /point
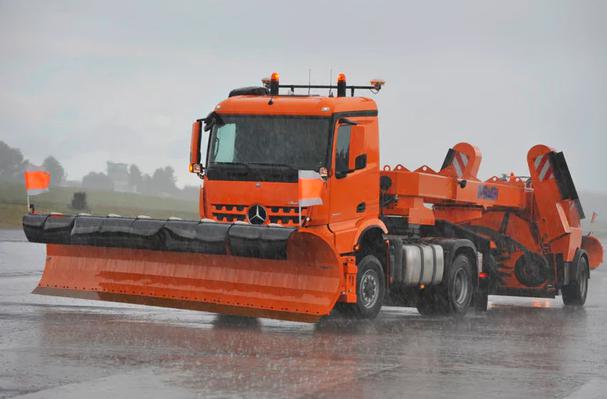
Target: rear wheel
x,y
426,302
574,293
370,290
454,294
481,301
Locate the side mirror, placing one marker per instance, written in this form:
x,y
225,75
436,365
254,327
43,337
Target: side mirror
x,y
357,159
195,166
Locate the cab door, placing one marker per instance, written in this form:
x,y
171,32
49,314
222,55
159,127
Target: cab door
x,y
354,186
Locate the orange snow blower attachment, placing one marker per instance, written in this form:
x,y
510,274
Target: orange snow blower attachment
x,y
247,270
559,206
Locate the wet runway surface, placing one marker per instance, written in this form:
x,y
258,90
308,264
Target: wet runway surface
x,y
67,348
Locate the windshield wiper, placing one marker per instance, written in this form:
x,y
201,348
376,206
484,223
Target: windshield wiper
x,y
278,165
247,167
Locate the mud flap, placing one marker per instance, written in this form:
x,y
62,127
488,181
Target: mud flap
x,y
246,270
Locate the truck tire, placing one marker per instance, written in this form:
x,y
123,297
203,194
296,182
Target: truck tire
x,y
454,295
574,293
481,301
370,290
459,285
426,302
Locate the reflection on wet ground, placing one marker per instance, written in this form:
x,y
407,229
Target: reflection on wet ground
x,y
522,347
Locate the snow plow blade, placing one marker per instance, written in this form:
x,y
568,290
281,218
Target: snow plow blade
x,y
239,269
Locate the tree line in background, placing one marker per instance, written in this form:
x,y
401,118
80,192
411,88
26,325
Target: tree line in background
x,y
161,182
12,165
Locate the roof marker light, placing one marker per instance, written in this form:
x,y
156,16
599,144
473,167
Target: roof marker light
x,y
377,83
341,85
274,83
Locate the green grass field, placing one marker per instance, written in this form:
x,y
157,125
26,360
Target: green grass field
x,y
58,199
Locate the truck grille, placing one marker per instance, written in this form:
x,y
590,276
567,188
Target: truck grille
x,y
284,215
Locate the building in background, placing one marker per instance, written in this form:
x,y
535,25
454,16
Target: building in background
x,y
118,173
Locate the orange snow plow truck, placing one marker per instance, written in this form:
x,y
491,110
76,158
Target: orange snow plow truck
x,y
298,219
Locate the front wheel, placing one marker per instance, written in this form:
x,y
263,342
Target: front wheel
x,y
370,290
574,293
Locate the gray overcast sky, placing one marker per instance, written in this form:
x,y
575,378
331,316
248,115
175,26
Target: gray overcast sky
x,y
94,81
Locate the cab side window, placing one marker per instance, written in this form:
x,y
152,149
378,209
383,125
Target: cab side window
x,y
342,150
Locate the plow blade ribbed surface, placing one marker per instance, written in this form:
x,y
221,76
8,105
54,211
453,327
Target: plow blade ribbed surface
x,y
236,269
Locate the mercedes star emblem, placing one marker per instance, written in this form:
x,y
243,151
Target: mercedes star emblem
x,y
257,214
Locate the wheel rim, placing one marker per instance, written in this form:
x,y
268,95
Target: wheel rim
x,y
460,287
369,289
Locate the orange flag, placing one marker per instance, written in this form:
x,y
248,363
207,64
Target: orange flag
x,y
310,188
37,182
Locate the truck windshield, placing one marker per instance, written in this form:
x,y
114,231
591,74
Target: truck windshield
x,y
298,143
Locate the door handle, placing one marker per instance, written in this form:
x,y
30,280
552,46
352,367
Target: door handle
x,y
361,207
